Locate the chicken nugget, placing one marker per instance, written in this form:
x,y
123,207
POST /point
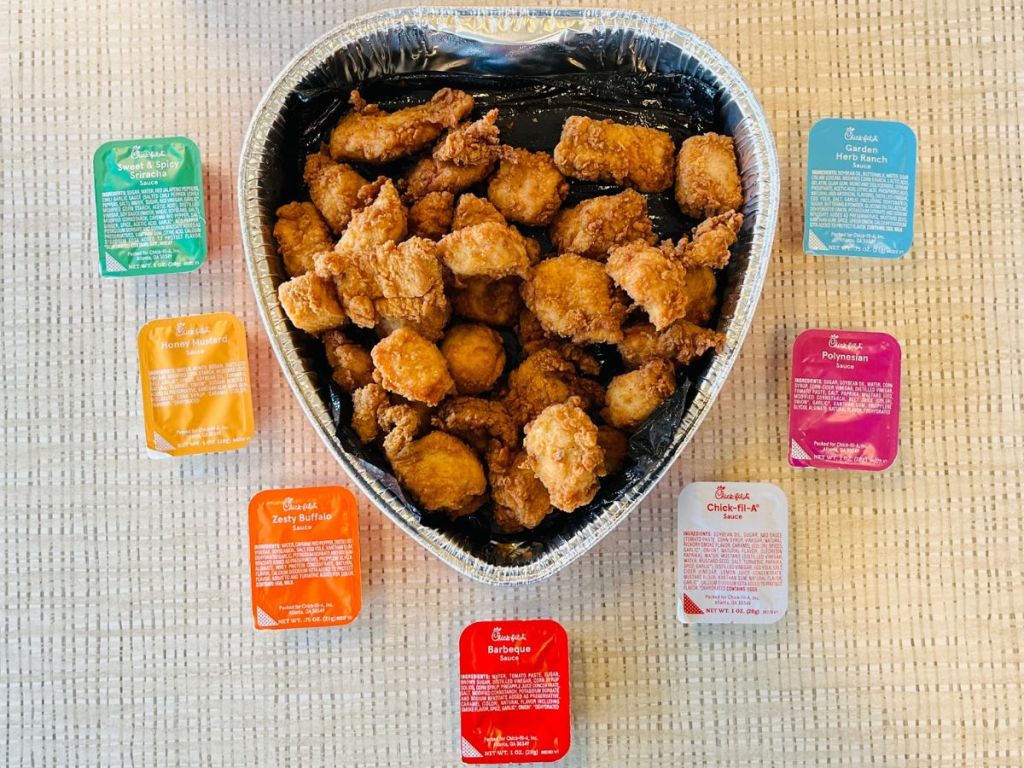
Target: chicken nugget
x,y
521,502
628,155
532,338
367,134
368,402
485,425
334,189
495,302
709,243
597,225
528,188
574,297
682,342
442,474
380,219
562,447
409,365
632,397
546,378
707,177
300,233
351,365
310,303
431,215
464,156
652,279
701,288
471,210
475,355
488,249
615,444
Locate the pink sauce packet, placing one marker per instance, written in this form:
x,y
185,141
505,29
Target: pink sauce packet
x,y
844,400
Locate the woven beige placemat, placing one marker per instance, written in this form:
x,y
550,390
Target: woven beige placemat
x,y
127,638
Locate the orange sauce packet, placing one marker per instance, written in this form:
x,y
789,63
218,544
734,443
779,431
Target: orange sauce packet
x,y
196,393
304,558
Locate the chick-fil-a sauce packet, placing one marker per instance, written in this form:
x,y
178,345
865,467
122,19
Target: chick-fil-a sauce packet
x,y
304,558
732,563
196,395
514,692
844,400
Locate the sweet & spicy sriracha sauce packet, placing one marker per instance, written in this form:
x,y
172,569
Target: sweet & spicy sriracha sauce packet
x,y
514,692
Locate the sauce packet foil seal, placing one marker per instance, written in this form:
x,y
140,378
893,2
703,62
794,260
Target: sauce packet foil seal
x,y
149,207
514,692
304,558
860,188
732,550
844,400
196,392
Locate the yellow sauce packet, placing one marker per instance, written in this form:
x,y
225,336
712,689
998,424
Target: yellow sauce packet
x,y
196,392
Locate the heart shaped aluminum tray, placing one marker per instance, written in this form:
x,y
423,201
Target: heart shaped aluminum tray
x,y
486,40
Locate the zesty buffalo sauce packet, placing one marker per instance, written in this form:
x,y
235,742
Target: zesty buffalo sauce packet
x,y
304,558
844,400
196,396
732,554
514,692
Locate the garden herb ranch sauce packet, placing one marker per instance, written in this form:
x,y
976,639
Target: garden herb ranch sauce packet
x,y
732,563
860,188
149,207
196,395
304,558
844,400
514,692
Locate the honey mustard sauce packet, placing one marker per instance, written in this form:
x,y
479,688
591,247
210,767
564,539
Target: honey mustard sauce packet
x,y
149,207
304,558
196,392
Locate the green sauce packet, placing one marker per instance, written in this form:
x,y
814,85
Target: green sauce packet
x,y
149,207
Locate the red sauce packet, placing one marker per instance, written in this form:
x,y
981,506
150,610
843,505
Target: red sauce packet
x,y
514,692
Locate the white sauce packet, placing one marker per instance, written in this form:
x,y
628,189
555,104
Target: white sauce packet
x,y
732,546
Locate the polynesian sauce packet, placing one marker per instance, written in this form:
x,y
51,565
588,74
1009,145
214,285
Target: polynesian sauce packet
x,y
304,558
149,207
514,692
196,395
844,400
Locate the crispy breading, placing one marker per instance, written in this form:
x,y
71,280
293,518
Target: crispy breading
x,y
546,378
521,502
707,177
475,355
485,425
431,215
409,365
563,450
301,233
334,189
574,297
528,188
488,249
654,280
495,302
368,402
632,397
441,473
470,210
532,338
597,225
367,134
464,156
709,243
701,286
351,365
310,303
380,219
682,342
628,155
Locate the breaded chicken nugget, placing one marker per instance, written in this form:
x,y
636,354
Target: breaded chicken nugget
x,y
652,279
475,355
367,134
409,365
528,188
471,210
300,233
368,403
682,342
441,473
310,303
489,250
464,156
431,215
380,219
334,189
495,302
632,397
521,502
484,425
562,446
546,378
710,241
628,155
707,177
597,225
701,287
574,297
615,444
533,338
351,365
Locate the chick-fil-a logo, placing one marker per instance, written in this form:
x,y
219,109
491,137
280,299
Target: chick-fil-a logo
x,y
835,343
288,504
499,637
852,135
722,493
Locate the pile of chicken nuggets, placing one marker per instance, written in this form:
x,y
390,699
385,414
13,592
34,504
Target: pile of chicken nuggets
x,y
437,271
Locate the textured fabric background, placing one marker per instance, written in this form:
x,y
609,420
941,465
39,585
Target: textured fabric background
x,y
127,638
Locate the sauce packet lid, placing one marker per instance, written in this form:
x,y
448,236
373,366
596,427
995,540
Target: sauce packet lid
x,y
149,207
844,400
860,188
304,558
514,692
196,395
732,556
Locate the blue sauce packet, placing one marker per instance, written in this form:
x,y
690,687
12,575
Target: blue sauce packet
x,y
860,188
